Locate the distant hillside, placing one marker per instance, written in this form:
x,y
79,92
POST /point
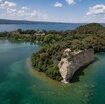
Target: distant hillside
x,y
4,21
92,28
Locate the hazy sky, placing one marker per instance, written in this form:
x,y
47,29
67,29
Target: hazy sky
x,y
54,10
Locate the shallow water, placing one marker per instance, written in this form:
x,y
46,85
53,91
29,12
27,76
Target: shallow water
x,y
19,86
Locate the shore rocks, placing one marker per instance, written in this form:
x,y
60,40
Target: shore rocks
x,y
73,61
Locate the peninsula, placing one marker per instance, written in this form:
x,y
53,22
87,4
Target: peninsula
x,y
62,53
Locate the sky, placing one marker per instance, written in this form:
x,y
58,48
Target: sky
x,y
72,11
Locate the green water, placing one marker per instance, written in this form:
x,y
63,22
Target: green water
x,y
19,86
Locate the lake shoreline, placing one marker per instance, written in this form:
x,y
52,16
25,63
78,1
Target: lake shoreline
x,y
22,83
40,75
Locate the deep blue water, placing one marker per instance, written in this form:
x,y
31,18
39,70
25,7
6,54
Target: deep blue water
x,y
40,26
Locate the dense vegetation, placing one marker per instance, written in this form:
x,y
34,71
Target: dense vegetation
x,y
84,37
46,60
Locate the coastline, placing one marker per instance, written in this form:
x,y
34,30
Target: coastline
x,y
40,75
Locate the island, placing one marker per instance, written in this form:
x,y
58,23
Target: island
x,y
62,53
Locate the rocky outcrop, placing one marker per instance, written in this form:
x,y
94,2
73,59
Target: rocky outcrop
x,y
73,61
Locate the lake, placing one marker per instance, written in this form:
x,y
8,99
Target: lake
x,y
41,26
19,84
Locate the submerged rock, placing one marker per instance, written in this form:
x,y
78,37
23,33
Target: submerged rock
x,y
73,61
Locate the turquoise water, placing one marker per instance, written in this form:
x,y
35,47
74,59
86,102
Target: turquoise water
x,y
19,84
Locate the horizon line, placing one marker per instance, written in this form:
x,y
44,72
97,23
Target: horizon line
x,y
49,21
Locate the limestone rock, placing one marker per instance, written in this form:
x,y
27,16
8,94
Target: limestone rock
x,y
69,65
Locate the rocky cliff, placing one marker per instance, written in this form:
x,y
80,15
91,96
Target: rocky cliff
x,y
73,61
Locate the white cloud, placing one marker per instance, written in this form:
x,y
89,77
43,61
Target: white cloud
x,y
58,4
25,8
70,2
96,10
12,11
96,13
6,4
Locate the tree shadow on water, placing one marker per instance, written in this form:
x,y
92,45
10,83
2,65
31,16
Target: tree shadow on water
x,y
80,72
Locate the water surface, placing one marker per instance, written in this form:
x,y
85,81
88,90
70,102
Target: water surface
x,y
19,86
41,26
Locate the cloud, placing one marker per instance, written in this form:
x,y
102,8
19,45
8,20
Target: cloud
x,y
70,2
58,4
97,10
6,4
96,13
13,11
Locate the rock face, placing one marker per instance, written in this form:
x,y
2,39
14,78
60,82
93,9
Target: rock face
x,y
73,61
